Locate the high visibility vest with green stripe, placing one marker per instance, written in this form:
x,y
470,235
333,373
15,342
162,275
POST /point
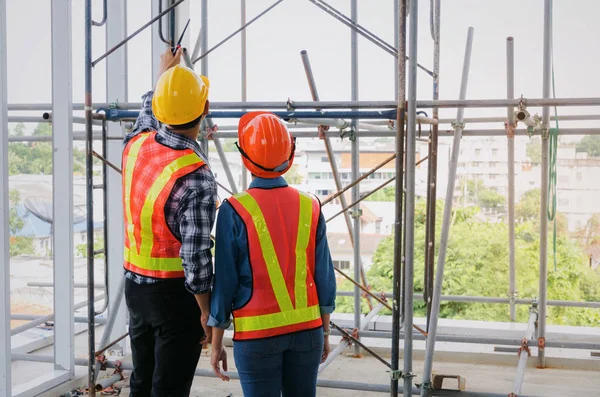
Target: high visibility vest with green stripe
x,y
281,225
150,171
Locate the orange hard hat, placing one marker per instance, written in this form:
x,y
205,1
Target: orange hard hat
x,y
266,145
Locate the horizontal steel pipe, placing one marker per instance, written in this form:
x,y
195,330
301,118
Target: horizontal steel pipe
x,y
469,103
479,340
49,284
49,317
487,299
30,317
45,138
116,114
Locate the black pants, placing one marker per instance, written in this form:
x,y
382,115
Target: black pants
x,y
165,332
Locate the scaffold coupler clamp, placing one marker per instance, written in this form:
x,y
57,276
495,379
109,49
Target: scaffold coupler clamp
x,y
119,369
289,104
510,129
103,362
524,347
356,213
425,386
541,343
544,130
352,133
113,105
210,131
512,395
456,125
346,336
322,130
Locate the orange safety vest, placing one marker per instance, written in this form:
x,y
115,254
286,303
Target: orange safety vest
x,y
150,170
281,225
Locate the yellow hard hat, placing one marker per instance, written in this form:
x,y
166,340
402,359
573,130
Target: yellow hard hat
x,y
180,96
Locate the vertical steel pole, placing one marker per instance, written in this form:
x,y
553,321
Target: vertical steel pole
x,y
5,360
204,61
62,184
510,94
544,183
432,168
334,168
116,91
400,80
355,167
409,247
439,277
244,173
158,47
90,195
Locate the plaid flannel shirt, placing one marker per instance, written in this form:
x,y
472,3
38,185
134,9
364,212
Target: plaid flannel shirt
x,y
190,209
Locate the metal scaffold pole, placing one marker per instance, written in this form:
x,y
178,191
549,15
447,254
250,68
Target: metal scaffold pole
x,y
355,168
89,196
204,61
5,362
334,168
432,167
510,94
544,185
409,210
400,80
439,277
244,82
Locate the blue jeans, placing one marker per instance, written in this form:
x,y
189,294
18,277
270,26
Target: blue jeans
x,y
282,365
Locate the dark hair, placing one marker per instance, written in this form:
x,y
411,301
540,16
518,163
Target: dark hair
x,y
187,126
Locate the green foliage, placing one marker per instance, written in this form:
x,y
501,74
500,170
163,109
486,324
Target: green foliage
x,y
534,150
528,208
18,245
386,194
19,130
293,177
36,157
478,194
590,144
81,249
15,223
477,265
21,246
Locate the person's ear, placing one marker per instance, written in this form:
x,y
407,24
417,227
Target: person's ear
x,y
206,106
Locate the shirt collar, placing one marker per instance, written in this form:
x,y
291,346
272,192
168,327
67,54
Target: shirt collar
x,y
270,183
179,142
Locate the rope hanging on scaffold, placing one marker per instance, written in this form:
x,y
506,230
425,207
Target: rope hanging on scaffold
x,y
553,152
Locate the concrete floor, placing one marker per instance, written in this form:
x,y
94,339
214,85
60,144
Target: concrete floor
x,y
481,378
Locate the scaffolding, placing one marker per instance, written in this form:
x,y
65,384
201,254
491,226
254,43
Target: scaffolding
x,y
352,119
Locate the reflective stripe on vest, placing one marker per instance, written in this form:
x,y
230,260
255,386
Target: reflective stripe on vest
x,y
141,259
288,314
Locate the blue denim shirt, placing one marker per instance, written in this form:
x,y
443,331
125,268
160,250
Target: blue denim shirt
x,y
232,285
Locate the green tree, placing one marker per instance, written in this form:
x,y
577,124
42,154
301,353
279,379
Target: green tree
x,y
19,130
293,176
388,193
534,150
36,157
19,245
590,144
528,207
477,265
482,196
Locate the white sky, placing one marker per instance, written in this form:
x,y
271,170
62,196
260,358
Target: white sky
x,y
275,70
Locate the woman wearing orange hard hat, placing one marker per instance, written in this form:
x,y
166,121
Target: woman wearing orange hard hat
x,y
273,271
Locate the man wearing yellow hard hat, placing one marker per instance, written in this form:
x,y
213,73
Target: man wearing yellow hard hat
x,y
169,205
